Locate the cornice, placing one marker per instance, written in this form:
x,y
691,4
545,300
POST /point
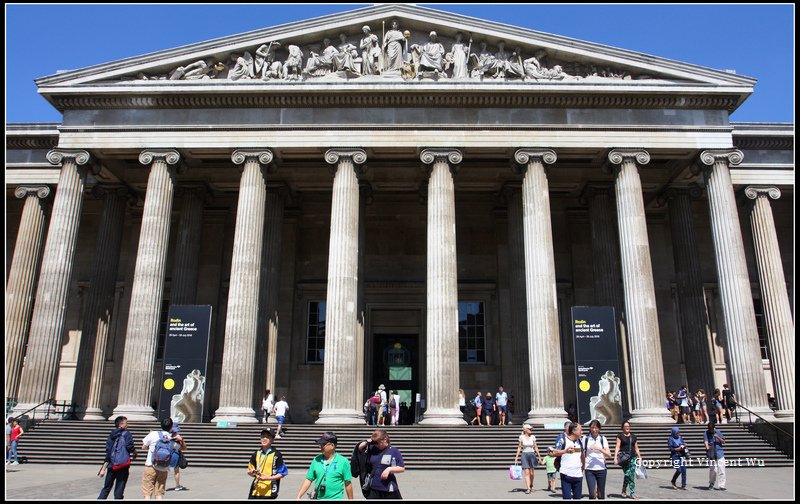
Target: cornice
x,y
769,143
31,142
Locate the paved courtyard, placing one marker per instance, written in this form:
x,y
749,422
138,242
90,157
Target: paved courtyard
x,y
61,481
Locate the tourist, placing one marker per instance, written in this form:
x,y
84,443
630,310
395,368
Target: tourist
x,y
118,477
267,468
267,404
596,449
530,455
385,461
280,415
329,472
714,440
678,453
502,404
571,463
626,453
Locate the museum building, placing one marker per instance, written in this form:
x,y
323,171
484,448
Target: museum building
x,y
402,196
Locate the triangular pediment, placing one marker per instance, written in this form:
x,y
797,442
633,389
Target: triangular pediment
x,y
465,50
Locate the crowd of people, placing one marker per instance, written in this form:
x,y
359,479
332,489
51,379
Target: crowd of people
x,y
700,408
487,410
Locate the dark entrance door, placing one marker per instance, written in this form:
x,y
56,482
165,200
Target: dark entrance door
x,y
396,366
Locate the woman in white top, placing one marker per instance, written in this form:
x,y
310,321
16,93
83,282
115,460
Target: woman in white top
x,y
595,450
267,404
528,446
571,463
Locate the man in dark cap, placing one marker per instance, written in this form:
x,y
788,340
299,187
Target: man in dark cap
x,y
329,472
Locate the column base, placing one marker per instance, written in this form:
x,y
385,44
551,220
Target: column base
x,y
234,414
343,416
93,414
135,413
651,416
441,416
547,416
784,415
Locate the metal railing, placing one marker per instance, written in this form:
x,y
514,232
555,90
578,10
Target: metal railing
x,y
31,422
773,434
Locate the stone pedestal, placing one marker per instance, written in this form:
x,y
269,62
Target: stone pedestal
x,y
99,305
442,287
777,310
341,329
136,382
21,286
743,349
236,388
641,312
40,370
544,341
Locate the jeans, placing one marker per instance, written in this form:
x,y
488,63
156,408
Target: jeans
x,y
680,470
571,487
121,478
599,477
12,452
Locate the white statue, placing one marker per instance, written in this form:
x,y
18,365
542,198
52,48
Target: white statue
x,y
370,53
606,406
243,69
344,58
458,56
393,48
188,405
293,66
430,57
265,65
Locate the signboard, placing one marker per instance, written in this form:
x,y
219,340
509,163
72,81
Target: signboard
x,y
183,380
597,376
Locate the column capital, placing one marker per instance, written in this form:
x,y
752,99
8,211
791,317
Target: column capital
x,y
733,156
79,156
616,156
429,156
170,156
754,191
264,156
358,156
41,192
524,155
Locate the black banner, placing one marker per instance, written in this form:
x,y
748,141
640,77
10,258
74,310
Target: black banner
x,y
597,376
183,380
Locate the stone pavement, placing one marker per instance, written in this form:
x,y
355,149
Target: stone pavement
x,y
61,481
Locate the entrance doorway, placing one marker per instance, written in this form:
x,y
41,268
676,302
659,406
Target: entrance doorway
x,y
395,364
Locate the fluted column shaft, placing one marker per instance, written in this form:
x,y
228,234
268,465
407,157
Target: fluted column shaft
x,y
341,306
544,338
183,290
141,335
241,324
691,298
442,287
21,286
775,298
47,325
743,350
641,315
99,305
519,323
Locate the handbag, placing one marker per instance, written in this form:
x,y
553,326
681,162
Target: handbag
x,y
623,458
182,462
641,471
515,472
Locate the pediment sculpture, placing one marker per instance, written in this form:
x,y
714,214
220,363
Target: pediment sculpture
x,y
394,55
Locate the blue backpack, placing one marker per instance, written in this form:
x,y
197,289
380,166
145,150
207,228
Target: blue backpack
x,y
162,455
120,458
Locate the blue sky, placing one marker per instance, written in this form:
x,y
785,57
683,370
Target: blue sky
x,y
755,40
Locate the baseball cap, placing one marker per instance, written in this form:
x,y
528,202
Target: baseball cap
x,y
328,437
527,426
268,432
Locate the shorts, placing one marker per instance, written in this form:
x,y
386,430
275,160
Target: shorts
x,y
528,460
551,475
153,481
686,409
501,409
281,419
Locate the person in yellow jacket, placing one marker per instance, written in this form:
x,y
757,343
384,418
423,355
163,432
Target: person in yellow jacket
x,y
266,467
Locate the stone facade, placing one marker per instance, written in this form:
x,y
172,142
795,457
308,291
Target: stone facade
x,y
421,216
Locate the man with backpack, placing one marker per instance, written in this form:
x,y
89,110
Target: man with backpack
x,y
160,446
119,453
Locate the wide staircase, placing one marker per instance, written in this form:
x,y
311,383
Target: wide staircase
x,y
423,447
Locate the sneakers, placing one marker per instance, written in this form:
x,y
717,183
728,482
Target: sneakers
x,y
711,486
14,463
179,488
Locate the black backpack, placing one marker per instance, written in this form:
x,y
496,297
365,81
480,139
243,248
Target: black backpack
x,y
360,466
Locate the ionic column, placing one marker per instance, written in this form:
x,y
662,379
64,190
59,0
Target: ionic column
x,y
183,290
743,349
641,312
241,324
442,287
21,286
606,274
519,323
777,310
341,326
47,325
99,304
141,335
691,298
544,340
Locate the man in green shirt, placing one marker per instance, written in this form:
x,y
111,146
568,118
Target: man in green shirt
x,y
329,472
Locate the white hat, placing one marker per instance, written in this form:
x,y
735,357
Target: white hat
x,y
381,387
527,426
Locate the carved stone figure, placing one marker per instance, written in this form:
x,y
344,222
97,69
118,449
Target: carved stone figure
x,y
197,70
370,52
243,69
430,57
393,48
188,405
458,57
265,65
514,68
486,63
606,406
533,67
343,59
293,66
321,64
